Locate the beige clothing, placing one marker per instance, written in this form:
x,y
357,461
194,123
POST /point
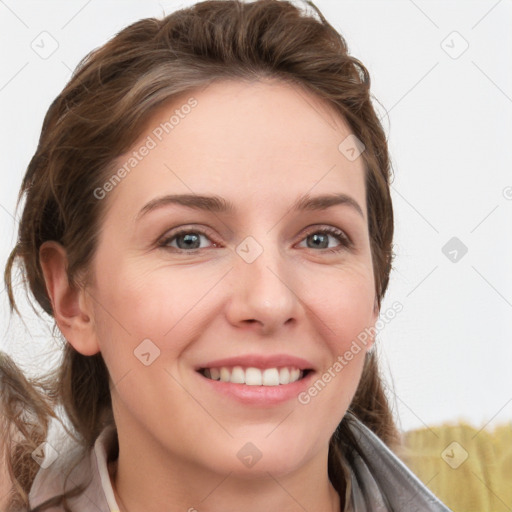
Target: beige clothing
x,y
380,481
99,494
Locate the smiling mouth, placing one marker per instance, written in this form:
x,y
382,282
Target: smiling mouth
x,y
279,376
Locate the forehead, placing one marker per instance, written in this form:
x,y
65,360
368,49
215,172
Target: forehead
x,y
257,144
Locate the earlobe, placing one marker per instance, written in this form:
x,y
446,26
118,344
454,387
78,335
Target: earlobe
x,y
71,310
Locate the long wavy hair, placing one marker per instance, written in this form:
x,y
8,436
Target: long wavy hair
x,y
99,114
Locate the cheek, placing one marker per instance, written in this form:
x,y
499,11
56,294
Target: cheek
x,y
134,304
344,308
345,304
345,315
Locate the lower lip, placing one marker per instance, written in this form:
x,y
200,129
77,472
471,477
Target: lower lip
x,y
260,395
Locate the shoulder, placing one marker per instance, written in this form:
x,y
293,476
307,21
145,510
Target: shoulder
x,y
381,478
68,468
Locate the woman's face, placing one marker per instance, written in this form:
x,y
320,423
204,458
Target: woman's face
x,y
262,280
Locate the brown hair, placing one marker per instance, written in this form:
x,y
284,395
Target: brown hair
x,y
98,116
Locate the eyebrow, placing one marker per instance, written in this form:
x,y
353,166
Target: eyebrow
x,y
218,204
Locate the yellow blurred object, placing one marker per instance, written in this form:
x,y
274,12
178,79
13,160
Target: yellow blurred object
x,y
470,470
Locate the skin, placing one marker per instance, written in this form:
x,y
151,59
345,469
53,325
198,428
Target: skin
x,y
260,145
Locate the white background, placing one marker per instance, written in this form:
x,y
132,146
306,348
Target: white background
x,y
449,127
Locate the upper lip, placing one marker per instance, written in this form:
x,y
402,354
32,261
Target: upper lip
x,y
259,361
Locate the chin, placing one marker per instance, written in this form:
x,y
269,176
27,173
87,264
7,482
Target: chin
x,y
255,459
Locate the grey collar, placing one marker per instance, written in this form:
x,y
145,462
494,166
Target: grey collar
x,y
381,482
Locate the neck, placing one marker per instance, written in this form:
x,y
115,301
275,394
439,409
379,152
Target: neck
x,y
139,486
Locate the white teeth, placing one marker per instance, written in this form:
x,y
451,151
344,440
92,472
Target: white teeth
x,y
271,377
254,376
225,374
284,376
237,375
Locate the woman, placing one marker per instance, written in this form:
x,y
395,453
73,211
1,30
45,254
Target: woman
x,y
208,220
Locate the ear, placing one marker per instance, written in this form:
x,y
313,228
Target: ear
x,y
71,308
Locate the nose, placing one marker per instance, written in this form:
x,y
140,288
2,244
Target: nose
x,y
263,296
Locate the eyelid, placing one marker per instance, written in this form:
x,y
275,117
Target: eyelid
x,y
345,240
173,233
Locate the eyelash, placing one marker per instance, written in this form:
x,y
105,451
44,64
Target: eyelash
x,y
345,242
